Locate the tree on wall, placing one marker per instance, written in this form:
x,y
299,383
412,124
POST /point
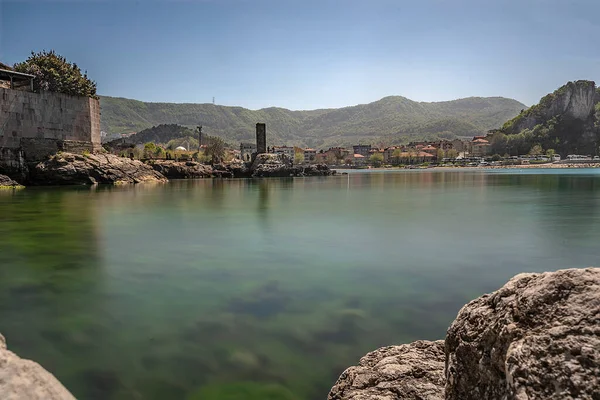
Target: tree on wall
x,y
54,73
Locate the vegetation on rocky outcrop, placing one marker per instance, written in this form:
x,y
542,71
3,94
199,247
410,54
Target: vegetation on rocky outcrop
x,y
566,121
392,119
54,73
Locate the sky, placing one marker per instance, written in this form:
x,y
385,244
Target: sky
x,y
308,54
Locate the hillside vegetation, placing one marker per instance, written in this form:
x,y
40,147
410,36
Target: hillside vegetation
x,y
394,119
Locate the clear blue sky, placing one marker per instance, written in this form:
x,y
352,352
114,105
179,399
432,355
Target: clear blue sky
x,y
305,54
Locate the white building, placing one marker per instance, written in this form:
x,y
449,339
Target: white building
x,y
310,156
287,150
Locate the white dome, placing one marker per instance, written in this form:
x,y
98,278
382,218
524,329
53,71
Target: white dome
x,y
181,148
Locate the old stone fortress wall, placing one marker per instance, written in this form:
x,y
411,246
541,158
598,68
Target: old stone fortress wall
x,y
35,125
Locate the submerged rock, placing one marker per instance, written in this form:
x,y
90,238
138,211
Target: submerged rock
x,y
410,371
6,182
74,169
181,169
538,337
24,379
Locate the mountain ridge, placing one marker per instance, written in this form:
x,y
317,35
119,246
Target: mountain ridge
x,y
393,118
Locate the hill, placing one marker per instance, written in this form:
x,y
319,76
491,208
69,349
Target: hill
x,y
394,119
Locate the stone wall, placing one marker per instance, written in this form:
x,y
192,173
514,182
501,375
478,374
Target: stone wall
x,y
47,115
12,162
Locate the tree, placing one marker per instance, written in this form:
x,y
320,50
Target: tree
x,y
149,150
550,154
452,154
397,155
440,154
331,158
536,150
215,149
298,157
54,73
376,159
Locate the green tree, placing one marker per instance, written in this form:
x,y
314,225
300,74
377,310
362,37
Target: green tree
x,y
376,159
452,154
298,157
496,157
440,154
149,150
54,73
536,150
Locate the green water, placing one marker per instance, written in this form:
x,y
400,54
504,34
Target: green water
x,y
268,289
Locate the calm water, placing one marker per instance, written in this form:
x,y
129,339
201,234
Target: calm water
x,y
268,289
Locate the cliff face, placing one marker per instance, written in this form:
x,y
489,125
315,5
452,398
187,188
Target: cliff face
x,y
575,100
567,121
537,337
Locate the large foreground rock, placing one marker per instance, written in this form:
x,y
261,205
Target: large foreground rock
x,y
74,169
6,182
26,380
409,371
538,337
181,169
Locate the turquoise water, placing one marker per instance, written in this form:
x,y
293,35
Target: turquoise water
x,y
268,289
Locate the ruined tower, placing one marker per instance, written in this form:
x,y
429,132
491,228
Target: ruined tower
x,y
261,138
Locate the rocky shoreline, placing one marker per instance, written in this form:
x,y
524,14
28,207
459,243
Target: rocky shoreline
x,y
89,169
537,337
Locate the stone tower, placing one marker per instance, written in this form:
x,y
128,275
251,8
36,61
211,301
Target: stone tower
x,y
261,138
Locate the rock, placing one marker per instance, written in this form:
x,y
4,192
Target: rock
x,y
538,337
74,169
6,182
26,380
278,165
222,171
181,169
409,371
271,165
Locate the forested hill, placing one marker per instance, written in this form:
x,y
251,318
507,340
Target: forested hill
x,y
394,119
